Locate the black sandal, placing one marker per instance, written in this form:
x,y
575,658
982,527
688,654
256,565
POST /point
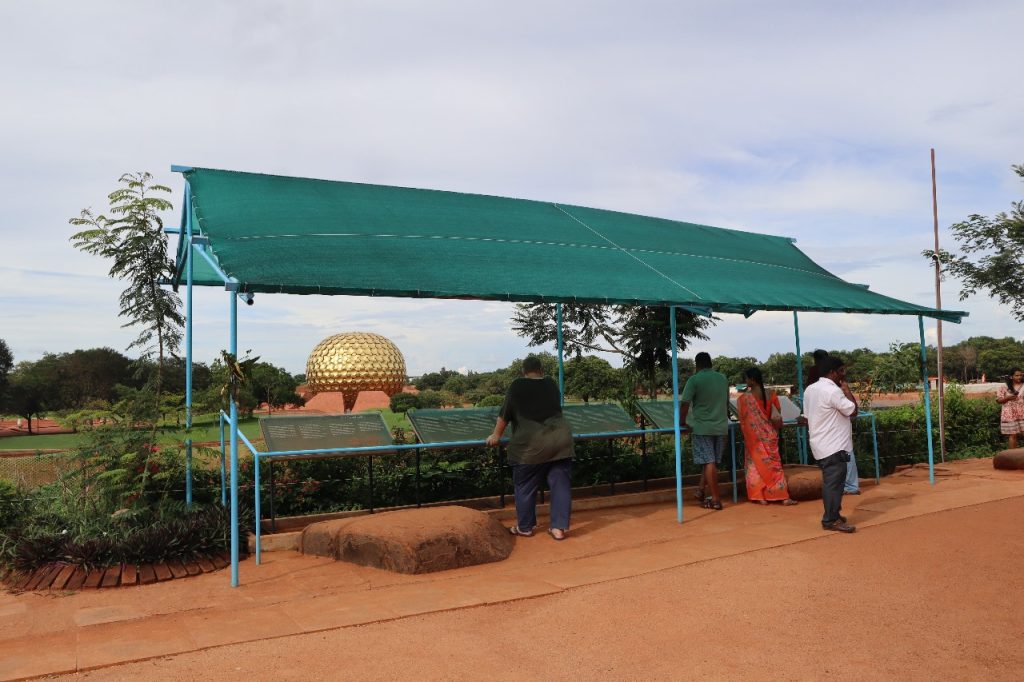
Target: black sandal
x,y
710,503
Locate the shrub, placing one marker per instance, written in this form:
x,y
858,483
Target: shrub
x,y
402,402
491,401
430,399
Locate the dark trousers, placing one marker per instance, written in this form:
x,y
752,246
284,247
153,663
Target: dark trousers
x,y
833,478
526,480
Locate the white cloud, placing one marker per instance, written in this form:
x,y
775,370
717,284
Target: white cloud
x,y
803,120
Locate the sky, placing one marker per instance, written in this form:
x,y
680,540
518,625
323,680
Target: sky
x,y
810,119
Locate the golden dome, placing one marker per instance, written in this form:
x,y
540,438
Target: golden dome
x,y
355,361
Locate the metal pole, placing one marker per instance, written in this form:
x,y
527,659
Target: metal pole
x,y
188,351
927,403
675,414
643,450
874,441
223,469
561,364
256,505
273,492
801,443
732,444
234,447
938,323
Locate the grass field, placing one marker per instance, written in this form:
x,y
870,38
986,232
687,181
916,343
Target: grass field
x,y
205,428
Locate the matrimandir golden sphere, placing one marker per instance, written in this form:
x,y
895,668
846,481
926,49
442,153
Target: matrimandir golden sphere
x,y
355,361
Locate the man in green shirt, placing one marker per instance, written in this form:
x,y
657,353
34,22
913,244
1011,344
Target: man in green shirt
x,y
705,409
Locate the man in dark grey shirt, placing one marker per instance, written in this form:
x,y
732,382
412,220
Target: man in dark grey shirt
x,y
541,447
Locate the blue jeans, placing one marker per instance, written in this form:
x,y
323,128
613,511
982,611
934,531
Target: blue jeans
x,y
852,482
526,480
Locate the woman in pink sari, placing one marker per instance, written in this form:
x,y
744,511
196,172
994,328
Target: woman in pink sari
x,y
761,419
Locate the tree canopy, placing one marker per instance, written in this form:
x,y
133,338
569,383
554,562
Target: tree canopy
x,y
132,238
991,259
640,334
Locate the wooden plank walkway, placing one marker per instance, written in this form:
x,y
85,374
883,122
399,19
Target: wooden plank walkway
x,y
70,578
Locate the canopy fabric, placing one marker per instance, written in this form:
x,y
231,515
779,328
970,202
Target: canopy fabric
x,y
303,236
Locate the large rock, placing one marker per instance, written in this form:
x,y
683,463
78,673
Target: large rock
x,y
804,481
411,540
1009,459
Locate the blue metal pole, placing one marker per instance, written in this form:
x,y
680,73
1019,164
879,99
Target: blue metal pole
x,y
223,468
801,443
188,350
927,402
256,505
561,364
732,443
675,414
874,440
234,447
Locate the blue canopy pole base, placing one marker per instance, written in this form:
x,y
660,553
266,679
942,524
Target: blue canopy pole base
x,y
874,442
801,433
188,472
675,413
732,443
927,402
561,354
256,506
234,448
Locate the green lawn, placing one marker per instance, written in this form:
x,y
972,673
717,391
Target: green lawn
x,y
205,428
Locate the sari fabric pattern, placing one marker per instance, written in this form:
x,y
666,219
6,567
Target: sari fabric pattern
x,y
764,477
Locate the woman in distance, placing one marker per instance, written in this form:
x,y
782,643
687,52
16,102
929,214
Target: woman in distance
x,y
761,418
1011,418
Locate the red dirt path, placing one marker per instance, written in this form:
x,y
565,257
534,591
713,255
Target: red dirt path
x,y
920,598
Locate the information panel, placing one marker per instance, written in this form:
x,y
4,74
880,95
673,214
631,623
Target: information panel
x,y
657,412
790,410
600,418
448,426
365,429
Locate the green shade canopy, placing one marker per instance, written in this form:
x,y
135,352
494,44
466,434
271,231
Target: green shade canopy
x,y
300,236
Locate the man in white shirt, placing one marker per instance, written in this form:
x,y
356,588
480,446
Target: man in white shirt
x,y
830,407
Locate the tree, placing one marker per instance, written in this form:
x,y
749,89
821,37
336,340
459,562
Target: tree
x,y
273,385
640,334
88,375
6,365
434,381
403,402
30,391
589,376
733,368
899,369
997,244
133,239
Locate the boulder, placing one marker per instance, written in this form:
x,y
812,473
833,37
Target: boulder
x,y
804,481
1009,459
411,540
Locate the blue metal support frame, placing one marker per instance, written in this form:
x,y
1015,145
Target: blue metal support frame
x,y
927,402
801,433
187,214
561,352
675,414
732,444
223,467
874,441
233,349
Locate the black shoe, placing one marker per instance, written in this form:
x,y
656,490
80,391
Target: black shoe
x,y
839,526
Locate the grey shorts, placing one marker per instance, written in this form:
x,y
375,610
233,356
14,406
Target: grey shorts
x,y
708,449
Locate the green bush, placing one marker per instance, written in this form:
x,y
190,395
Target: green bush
x,y
402,402
491,401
